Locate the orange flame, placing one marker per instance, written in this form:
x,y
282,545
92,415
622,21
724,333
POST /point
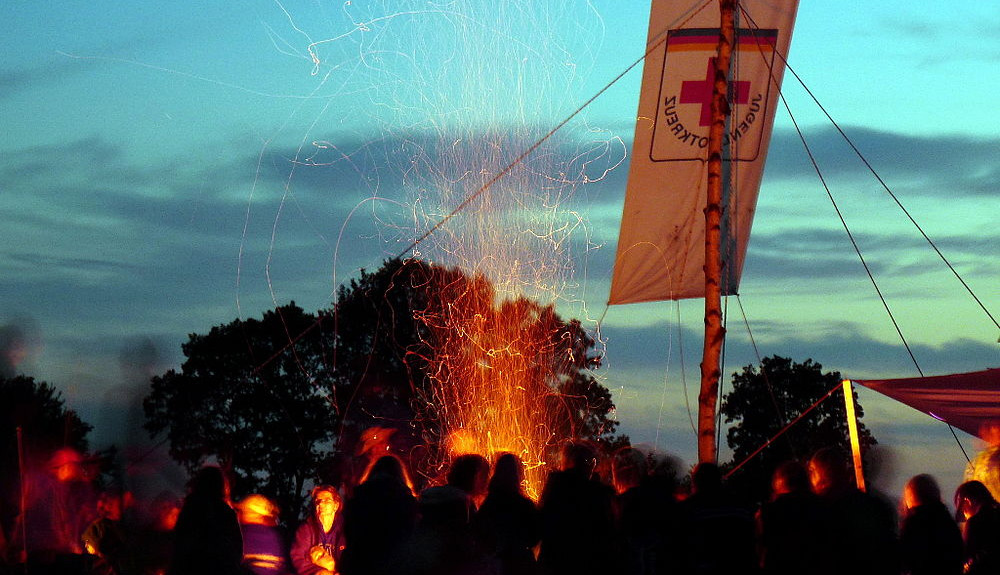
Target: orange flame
x,y
493,376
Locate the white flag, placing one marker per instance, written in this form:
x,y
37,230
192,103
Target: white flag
x,y
661,245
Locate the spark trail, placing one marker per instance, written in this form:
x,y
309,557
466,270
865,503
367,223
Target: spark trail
x,y
465,89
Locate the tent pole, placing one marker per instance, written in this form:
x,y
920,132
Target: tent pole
x,y
852,426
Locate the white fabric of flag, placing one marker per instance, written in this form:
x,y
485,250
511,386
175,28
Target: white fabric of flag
x,y
661,245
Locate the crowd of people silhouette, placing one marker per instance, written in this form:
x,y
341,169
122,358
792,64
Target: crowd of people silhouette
x,y
640,520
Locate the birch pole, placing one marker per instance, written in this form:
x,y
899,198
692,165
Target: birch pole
x,y
714,332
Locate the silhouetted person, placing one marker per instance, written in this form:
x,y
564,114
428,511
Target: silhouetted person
x,y
793,526
319,541
378,520
718,531
863,527
456,501
577,517
648,513
470,473
930,541
207,538
975,503
637,537
508,524
443,542
264,549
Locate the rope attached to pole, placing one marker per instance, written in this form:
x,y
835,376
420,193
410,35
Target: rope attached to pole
x,y
783,430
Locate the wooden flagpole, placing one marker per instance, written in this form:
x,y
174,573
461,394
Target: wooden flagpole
x,y
715,333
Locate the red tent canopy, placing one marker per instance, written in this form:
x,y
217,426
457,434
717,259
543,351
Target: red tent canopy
x,y
965,400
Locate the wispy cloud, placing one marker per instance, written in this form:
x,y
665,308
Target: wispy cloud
x,y
842,346
955,166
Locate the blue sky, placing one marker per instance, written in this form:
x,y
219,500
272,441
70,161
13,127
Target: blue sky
x,y
169,167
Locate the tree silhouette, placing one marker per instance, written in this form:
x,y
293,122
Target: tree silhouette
x,y
46,425
766,398
255,394
271,398
421,349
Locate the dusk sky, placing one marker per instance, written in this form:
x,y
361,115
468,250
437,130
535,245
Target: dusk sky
x,y
168,167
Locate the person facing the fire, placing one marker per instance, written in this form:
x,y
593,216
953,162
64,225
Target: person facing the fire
x,y
793,526
862,526
976,506
709,516
930,542
320,539
577,513
207,537
379,519
507,524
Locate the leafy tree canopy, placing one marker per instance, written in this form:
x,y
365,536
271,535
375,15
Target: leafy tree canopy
x,y
270,398
764,399
255,395
418,344
423,343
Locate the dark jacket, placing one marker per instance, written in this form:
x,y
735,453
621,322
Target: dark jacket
x,y
378,522
982,542
718,535
508,527
792,534
930,542
207,539
863,539
309,535
577,525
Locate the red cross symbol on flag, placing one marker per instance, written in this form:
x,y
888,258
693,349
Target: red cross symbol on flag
x,y
700,92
